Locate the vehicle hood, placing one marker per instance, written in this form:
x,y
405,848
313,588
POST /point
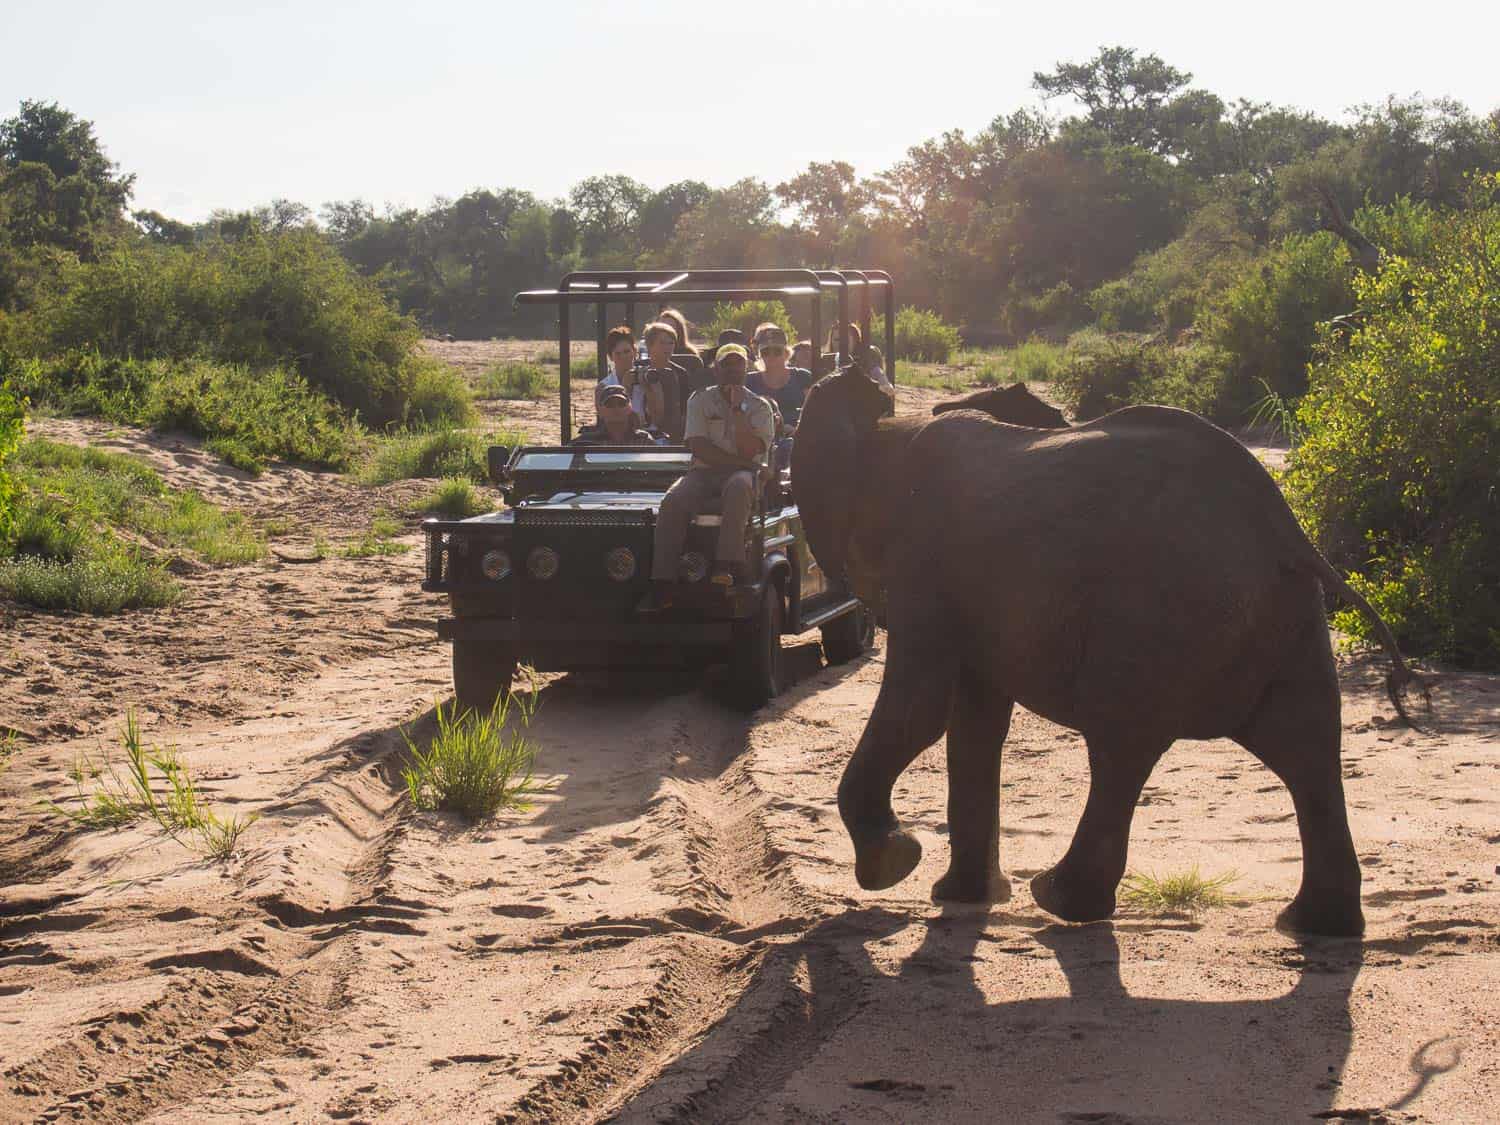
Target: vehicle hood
x,y
578,502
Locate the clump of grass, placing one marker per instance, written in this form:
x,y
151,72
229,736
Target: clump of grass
x,y
376,540
442,452
1187,892
10,742
1036,361
477,763
516,381
1276,414
234,451
103,583
155,784
454,497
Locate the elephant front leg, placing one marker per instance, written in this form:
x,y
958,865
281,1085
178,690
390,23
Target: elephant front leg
x,y
910,714
1080,887
976,736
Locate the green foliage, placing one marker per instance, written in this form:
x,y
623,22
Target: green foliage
x,y
1035,361
104,582
1099,373
12,425
1267,321
747,317
456,498
477,764
922,336
438,395
1186,892
376,541
408,455
250,416
281,298
1395,475
157,786
517,381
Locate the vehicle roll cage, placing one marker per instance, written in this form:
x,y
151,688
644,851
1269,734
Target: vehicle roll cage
x,y
662,288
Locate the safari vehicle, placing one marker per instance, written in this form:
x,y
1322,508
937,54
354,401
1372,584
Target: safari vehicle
x,y
553,580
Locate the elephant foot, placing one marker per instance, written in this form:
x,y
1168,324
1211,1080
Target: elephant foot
x,y
1072,900
883,860
1322,915
989,887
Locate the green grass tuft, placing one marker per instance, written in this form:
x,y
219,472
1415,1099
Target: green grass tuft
x,y
101,583
1187,892
376,540
476,764
443,452
454,497
516,381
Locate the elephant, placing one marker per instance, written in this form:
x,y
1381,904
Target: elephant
x,y
1009,404
1138,579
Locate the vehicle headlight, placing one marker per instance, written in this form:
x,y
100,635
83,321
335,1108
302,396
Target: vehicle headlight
x,y
693,567
496,565
542,563
619,564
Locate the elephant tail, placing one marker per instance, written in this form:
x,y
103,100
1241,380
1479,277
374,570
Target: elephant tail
x,y
1401,677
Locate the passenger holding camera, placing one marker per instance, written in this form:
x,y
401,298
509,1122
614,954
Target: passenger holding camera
x,y
654,396
666,405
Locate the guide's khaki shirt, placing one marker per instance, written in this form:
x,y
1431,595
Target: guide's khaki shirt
x,y
709,416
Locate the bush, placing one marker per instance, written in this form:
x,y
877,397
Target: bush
x,y
921,336
1100,373
12,424
747,317
455,498
1395,478
432,453
438,395
1036,361
101,583
474,766
283,298
248,415
516,381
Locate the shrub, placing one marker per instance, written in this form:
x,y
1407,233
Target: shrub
x,y
921,336
1100,373
102,583
249,415
438,395
477,764
455,498
12,424
1395,477
1035,361
747,317
281,298
515,381
408,455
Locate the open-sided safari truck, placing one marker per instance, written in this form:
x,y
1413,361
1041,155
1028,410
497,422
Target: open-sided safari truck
x,y
553,580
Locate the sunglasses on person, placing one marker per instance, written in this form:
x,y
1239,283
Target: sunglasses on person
x,y
772,349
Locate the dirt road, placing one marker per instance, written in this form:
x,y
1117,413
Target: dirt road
x,y
673,932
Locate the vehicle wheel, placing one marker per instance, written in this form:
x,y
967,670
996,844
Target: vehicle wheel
x,y
755,664
849,636
481,673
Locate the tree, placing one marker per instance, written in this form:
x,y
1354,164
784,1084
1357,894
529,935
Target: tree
x,y
826,197
663,210
1133,99
608,209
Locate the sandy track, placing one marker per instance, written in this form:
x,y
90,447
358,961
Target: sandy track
x,y
672,932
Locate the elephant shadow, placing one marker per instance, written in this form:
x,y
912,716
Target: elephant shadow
x,y
949,1032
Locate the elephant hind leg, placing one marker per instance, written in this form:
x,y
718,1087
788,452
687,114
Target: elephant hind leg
x,y
1080,887
1295,732
910,714
976,735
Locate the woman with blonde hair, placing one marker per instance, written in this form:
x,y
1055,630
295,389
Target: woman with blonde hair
x,y
679,325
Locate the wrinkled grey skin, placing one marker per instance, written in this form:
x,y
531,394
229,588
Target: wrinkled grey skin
x,y
1138,579
1009,404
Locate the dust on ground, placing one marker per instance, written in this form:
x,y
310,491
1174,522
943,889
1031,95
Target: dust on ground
x,y
673,932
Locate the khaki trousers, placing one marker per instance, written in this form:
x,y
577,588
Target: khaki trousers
x,y
689,496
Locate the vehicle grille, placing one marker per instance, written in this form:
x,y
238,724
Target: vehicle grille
x,y
553,517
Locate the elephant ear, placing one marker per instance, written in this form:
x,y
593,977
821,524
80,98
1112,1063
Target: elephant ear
x,y
840,410
1014,404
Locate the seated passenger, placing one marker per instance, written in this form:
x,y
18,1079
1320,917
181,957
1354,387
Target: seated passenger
x,y
665,380
617,424
784,385
619,350
856,343
679,326
802,355
729,430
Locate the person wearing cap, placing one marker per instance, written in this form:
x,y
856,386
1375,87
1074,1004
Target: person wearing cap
x,y
784,385
729,431
617,424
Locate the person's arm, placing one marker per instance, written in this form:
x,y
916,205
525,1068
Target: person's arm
x,y
747,442
716,458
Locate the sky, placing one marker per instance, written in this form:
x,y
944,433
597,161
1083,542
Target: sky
x,y
229,106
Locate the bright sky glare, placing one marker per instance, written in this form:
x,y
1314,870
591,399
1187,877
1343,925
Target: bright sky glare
x,y
219,105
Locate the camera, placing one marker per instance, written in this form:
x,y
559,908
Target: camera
x,y
643,372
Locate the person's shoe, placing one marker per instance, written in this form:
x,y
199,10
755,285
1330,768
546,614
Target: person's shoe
x,y
658,598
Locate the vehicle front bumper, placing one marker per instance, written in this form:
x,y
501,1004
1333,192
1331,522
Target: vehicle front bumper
x,y
590,635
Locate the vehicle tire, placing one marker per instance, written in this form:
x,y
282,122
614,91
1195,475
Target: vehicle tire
x,y
482,672
849,636
755,670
